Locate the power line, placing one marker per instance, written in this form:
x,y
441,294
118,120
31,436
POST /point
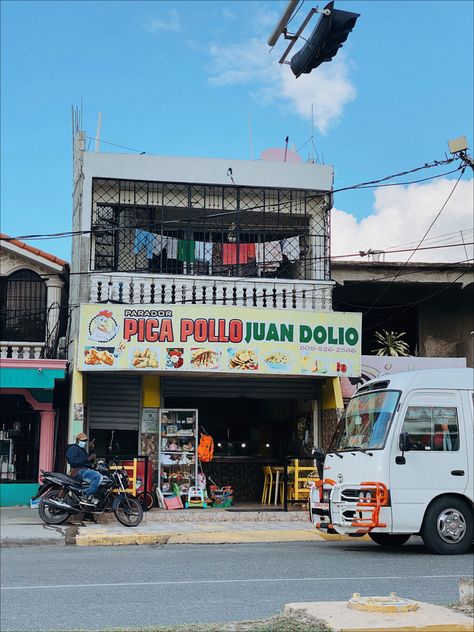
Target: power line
x,y
420,242
278,205
389,252
115,145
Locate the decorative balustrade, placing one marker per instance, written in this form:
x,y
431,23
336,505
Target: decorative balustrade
x,y
21,350
201,290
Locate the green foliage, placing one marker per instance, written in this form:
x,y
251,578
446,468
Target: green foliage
x,y
391,343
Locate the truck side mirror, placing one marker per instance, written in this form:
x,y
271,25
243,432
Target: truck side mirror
x,y
404,442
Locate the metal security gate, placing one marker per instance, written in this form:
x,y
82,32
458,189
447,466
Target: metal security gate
x,y
246,387
113,402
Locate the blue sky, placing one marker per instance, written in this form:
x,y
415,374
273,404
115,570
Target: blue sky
x,y
185,79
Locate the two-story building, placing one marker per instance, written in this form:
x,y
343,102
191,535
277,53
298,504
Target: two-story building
x,y
204,284
33,317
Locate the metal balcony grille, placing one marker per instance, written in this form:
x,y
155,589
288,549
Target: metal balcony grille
x,y
154,227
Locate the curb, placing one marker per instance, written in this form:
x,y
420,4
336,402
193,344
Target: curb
x,y
202,537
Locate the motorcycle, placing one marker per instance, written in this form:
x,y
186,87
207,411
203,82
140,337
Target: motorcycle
x,y
60,497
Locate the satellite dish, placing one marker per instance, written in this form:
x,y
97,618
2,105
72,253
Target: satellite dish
x,y
278,154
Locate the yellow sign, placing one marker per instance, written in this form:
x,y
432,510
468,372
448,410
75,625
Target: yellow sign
x,y
212,339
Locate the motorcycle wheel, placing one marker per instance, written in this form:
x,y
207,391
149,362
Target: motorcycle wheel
x,y
51,515
129,512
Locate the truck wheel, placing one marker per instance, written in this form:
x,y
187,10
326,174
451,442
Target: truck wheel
x,y
390,540
448,526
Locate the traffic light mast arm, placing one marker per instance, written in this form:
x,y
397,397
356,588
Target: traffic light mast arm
x,y
294,38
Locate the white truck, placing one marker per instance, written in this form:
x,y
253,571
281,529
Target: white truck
x,y
402,462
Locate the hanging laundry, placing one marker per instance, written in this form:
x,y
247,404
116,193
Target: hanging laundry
x,y
203,251
251,254
144,240
160,244
237,253
229,254
186,248
269,255
171,247
291,248
216,255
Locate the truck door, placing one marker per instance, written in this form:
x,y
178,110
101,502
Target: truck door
x,y
437,460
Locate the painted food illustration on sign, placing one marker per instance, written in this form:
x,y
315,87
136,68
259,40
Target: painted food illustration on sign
x,y
144,359
243,360
174,358
279,360
203,358
94,356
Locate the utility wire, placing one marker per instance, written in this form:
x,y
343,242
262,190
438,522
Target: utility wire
x,y
420,242
115,145
278,205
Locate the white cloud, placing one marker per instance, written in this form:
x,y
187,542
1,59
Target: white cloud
x,y
402,215
328,89
171,23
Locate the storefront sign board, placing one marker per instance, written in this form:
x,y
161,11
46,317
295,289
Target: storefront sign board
x,y
216,339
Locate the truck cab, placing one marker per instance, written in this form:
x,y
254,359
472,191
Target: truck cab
x,y
401,462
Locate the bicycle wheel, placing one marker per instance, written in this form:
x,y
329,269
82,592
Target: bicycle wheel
x,y
146,498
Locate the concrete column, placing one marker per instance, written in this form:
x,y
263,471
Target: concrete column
x,y
46,452
77,401
54,286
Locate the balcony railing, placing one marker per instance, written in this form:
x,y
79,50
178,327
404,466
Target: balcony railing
x,y
169,290
21,350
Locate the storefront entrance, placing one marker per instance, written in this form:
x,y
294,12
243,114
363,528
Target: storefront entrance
x,y
254,423
19,440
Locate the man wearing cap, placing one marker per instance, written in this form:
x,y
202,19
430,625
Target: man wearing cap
x,y
80,463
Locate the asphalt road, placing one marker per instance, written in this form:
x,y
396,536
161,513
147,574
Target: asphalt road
x,y
62,588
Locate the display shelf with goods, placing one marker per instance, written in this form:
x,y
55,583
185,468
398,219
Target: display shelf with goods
x,y
177,452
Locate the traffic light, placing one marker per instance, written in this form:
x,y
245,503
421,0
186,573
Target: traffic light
x,y
326,39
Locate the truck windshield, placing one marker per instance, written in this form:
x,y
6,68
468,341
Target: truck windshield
x,y
367,420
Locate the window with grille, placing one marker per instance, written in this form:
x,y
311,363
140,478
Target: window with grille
x,y
174,228
23,307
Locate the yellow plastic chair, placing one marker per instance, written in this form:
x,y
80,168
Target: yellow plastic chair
x,y
267,484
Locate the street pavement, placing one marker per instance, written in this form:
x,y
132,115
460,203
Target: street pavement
x,y
88,588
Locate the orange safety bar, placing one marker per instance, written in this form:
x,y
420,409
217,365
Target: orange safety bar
x,y
373,506
320,485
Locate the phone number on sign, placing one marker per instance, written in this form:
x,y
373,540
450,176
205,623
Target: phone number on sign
x,y
327,349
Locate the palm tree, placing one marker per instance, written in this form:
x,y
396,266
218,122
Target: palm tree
x,y
391,343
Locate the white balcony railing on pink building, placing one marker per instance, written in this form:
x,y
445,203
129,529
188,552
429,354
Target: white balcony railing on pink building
x,y
168,289
21,350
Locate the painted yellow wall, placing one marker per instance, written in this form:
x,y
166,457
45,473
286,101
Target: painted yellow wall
x,y
331,394
151,391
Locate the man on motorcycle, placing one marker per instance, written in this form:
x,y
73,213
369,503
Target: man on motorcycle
x,y
80,463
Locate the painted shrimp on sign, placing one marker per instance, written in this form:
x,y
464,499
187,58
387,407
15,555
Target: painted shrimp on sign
x,y
205,339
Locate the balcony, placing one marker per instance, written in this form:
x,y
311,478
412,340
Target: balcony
x,y
162,289
21,350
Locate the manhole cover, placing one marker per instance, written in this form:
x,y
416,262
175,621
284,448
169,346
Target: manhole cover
x,y
392,603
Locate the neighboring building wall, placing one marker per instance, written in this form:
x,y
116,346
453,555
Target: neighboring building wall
x,y
446,327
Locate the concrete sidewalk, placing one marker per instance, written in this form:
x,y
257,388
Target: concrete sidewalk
x,y
21,526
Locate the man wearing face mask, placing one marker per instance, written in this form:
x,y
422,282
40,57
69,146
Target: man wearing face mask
x,y
80,463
